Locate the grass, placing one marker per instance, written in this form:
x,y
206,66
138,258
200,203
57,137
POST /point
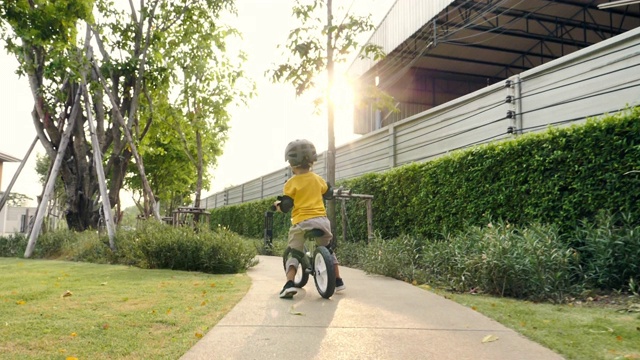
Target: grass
x,y
604,328
112,312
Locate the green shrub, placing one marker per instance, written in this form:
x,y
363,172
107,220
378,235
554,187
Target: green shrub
x,y
51,244
610,248
180,248
248,219
500,259
87,246
13,245
398,258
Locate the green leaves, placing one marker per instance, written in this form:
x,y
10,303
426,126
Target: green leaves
x,y
309,46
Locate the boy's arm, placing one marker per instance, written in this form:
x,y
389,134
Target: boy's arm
x,y
284,203
328,195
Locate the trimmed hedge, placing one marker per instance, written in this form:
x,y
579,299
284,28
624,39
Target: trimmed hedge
x,y
561,177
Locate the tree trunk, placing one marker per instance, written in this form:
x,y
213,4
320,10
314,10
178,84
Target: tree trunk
x,y
199,168
331,147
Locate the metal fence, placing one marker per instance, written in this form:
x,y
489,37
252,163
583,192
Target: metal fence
x,y
603,78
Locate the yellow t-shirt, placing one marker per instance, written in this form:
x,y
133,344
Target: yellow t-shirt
x,y
306,191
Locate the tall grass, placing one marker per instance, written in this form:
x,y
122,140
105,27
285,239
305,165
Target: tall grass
x,y
535,262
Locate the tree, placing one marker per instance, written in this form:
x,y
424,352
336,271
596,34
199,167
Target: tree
x,y
16,199
208,84
130,79
315,48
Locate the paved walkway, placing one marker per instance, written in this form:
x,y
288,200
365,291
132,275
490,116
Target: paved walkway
x,y
374,318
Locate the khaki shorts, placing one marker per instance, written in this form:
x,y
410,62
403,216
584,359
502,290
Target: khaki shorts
x,y
296,236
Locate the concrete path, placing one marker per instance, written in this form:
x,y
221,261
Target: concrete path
x,y
374,318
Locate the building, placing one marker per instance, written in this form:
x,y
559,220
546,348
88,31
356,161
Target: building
x,y
469,72
440,50
13,219
3,159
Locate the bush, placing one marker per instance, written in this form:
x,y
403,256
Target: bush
x,y
610,248
13,245
151,245
398,258
500,259
180,248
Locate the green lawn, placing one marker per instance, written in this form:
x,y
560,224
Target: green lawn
x,y
109,312
597,328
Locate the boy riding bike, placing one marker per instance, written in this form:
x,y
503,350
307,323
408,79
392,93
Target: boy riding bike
x,y
304,192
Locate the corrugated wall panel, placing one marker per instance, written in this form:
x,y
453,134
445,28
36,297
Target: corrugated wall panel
x,y
469,119
368,154
604,82
253,190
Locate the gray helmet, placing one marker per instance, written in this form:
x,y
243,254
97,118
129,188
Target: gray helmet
x,y
300,152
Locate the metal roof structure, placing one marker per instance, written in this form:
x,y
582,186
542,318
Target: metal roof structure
x,y
439,50
8,158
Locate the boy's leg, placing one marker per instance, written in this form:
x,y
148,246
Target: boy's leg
x,y
296,243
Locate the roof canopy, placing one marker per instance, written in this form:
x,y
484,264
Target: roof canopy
x,y
8,158
489,39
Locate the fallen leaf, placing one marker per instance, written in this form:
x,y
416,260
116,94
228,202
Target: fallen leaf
x,y
67,294
292,311
71,358
21,302
602,331
74,334
199,335
105,326
619,338
489,338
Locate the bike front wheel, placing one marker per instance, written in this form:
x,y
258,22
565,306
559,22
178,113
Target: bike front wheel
x,y
324,272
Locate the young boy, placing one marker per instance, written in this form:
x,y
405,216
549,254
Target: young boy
x,y
304,193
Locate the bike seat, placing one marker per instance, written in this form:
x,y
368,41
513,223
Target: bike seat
x,y
313,233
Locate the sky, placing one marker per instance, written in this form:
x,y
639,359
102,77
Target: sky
x,y
259,131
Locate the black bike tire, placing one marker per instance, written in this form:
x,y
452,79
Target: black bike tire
x,y
322,254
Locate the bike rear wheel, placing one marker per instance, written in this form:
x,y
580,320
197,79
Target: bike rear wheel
x,y
324,272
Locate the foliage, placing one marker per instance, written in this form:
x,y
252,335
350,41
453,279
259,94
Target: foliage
x,y
142,55
248,219
561,177
13,245
181,248
151,245
308,45
399,258
610,248
499,259
16,199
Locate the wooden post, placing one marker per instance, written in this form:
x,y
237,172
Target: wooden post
x,y
53,175
343,211
97,159
369,220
